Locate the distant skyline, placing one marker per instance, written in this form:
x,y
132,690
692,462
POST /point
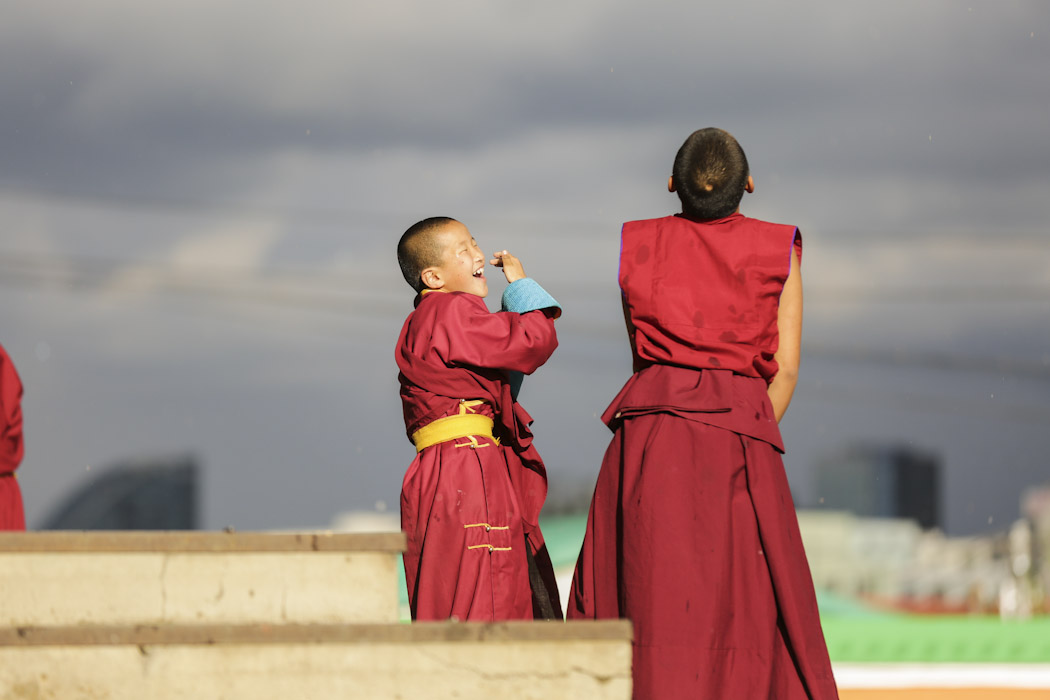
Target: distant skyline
x,y
200,204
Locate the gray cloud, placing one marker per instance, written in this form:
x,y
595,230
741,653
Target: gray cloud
x,y
817,89
199,202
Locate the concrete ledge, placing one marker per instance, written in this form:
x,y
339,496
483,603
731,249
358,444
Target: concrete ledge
x,y
170,541
96,635
468,661
129,578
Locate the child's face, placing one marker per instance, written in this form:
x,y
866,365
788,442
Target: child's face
x,y
463,265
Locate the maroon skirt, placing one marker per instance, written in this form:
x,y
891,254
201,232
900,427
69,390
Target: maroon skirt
x,y
692,535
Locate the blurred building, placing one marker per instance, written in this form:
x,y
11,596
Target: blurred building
x,y
893,563
896,564
1035,507
145,494
881,481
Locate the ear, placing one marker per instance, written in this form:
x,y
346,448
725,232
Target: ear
x,y
432,278
750,186
670,184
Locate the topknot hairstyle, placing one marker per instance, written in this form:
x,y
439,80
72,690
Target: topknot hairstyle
x,y
710,174
417,250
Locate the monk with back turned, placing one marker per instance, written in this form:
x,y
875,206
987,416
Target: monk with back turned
x,y
692,533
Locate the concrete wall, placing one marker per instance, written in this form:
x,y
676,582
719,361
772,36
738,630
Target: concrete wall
x,y
166,616
519,661
70,578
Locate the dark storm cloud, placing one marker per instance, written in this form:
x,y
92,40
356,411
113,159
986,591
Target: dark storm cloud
x,y
939,90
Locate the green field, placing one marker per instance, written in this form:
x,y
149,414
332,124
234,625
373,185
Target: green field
x,y
936,639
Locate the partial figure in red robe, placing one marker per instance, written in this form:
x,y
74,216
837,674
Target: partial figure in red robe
x,y
471,499
12,514
692,532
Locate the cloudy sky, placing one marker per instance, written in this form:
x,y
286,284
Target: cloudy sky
x,y
199,203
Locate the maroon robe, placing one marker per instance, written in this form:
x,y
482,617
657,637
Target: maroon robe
x,y
12,515
692,532
471,512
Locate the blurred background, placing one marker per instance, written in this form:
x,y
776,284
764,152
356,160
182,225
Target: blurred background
x,y
200,201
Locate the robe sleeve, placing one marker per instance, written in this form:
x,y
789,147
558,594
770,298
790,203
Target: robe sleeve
x,y
473,336
520,297
11,445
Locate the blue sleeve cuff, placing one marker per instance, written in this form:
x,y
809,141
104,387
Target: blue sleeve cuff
x,y
527,295
521,297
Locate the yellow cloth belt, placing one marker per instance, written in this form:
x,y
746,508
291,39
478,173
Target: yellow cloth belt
x,y
466,424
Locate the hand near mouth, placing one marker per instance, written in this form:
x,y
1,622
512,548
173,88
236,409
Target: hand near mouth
x,y
512,267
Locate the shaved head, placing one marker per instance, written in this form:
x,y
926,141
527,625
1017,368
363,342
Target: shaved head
x,y
419,249
710,173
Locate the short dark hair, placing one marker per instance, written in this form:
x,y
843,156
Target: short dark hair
x,y
417,250
710,174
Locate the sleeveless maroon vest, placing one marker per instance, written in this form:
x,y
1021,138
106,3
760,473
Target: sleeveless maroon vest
x,y
703,299
705,295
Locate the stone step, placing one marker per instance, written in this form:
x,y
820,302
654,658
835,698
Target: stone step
x,y
141,578
467,661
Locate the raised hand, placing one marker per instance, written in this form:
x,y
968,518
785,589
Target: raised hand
x,y
512,267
